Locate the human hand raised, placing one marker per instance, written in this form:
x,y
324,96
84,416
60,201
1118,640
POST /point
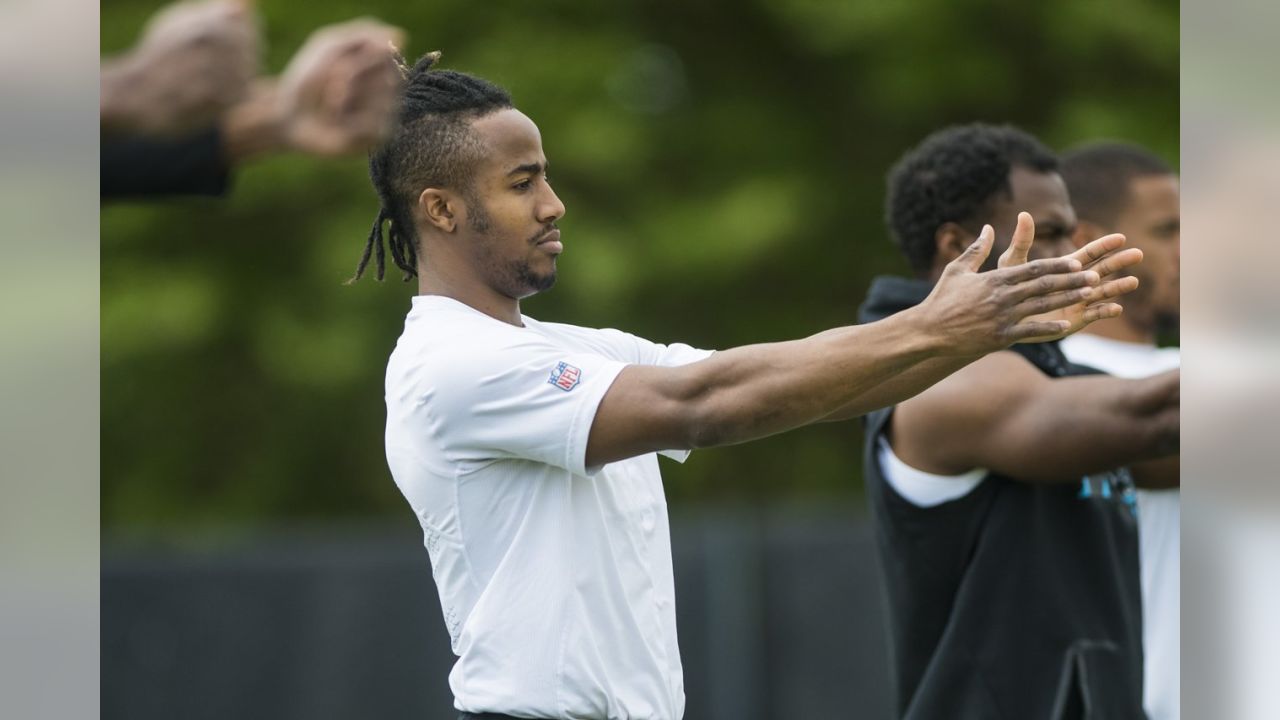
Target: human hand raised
x,y
340,92
194,61
1106,256
970,312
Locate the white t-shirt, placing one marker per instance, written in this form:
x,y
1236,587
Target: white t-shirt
x,y
1159,526
555,579
920,488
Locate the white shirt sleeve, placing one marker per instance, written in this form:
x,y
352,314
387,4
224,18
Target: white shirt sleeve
x,y
637,350
673,355
920,488
528,399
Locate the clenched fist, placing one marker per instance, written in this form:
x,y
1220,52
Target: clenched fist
x,y
194,62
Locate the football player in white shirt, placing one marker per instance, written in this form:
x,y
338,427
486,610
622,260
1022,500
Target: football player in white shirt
x,y
1118,187
527,450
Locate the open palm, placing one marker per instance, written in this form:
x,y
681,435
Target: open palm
x,y
1106,256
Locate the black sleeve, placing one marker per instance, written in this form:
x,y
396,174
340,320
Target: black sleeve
x,y
140,167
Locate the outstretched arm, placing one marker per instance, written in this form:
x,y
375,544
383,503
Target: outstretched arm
x,y
751,392
1003,414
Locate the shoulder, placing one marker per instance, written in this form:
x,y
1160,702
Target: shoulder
x,y
608,342
443,349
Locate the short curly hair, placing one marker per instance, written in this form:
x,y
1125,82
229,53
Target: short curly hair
x,y
1099,176
951,177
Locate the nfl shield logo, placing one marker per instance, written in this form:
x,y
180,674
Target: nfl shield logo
x,y
565,376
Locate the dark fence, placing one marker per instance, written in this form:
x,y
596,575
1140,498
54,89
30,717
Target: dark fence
x,y
779,615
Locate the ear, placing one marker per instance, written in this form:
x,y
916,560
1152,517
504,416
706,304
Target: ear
x,y
437,207
951,241
1086,232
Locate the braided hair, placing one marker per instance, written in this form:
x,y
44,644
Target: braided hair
x,y
950,177
431,146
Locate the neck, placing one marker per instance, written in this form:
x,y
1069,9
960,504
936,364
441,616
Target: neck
x,y
1122,329
470,292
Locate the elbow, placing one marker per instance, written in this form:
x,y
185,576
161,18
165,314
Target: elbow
x,y
704,426
726,419
693,402
717,411
703,433
717,416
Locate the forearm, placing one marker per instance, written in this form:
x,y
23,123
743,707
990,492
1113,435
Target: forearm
x,y
116,110
253,127
906,384
1161,474
1088,425
760,390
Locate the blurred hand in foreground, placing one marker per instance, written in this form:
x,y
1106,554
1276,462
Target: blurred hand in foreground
x,y
337,96
195,61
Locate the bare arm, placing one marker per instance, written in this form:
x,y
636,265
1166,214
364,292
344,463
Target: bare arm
x,y
1162,474
751,392
906,384
1003,414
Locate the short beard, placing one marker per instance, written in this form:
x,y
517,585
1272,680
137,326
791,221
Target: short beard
x,y
479,218
517,279
535,283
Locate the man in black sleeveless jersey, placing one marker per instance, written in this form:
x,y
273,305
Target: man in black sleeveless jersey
x,y
1003,495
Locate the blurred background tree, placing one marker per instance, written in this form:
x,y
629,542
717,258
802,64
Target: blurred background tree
x,y
723,168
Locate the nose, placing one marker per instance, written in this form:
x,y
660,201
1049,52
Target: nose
x,y
550,209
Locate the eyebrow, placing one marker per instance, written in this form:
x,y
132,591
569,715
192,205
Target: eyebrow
x,y
531,168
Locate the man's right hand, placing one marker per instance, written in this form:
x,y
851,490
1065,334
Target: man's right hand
x,y
195,60
1106,256
974,313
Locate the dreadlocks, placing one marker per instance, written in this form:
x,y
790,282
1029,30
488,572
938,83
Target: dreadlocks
x,y
430,146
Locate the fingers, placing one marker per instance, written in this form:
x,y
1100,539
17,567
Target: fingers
x,y
1020,245
976,254
1027,271
1100,296
337,54
1048,284
1098,249
366,81
1113,289
1040,304
1117,261
1037,330
346,101
1101,311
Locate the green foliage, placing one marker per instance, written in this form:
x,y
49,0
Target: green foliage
x,y
722,165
